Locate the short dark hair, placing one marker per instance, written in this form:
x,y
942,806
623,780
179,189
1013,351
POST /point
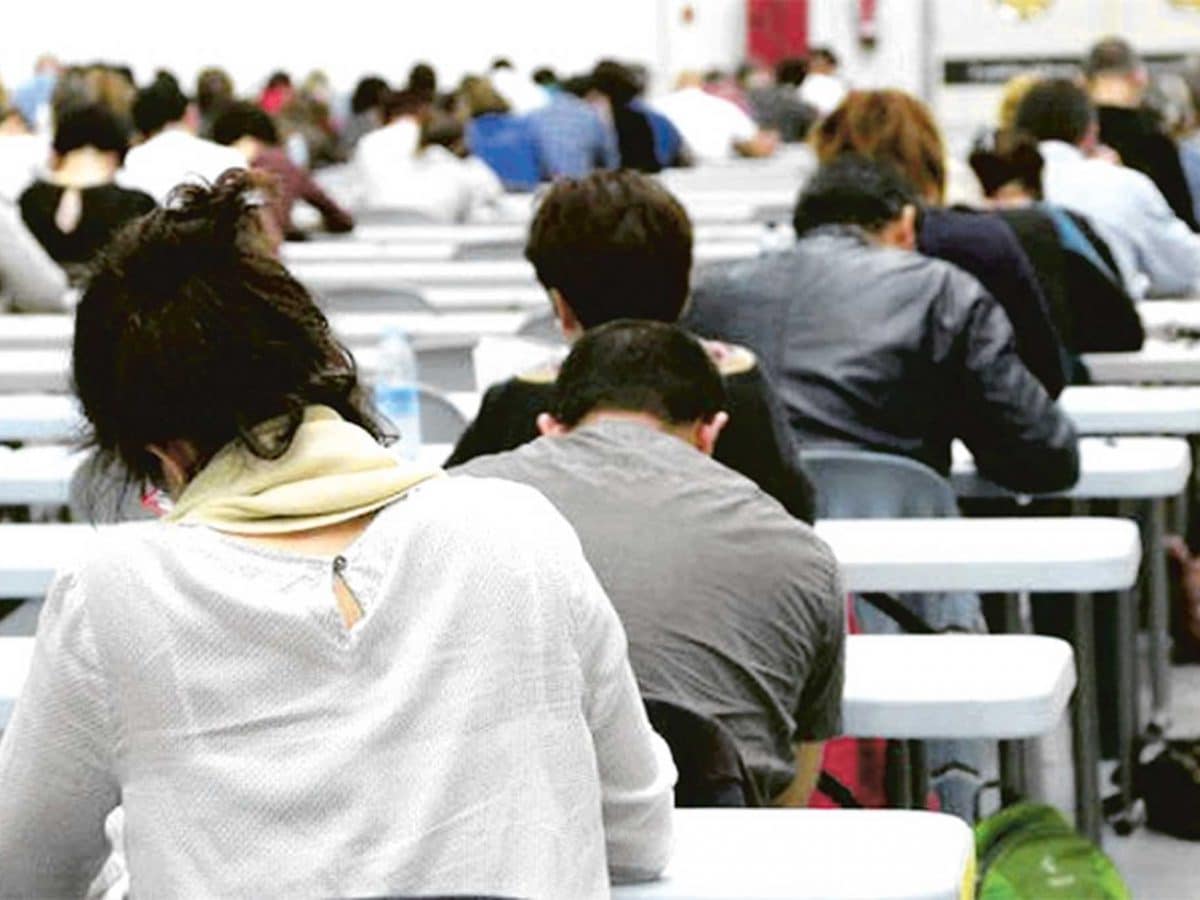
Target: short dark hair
x,y
1111,56
825,54
616,245
853,190
189,329
401,103
243,119
639,366
791,70
1055,110
368,94
422,80
214,89
91,125
616,81
158,105
545,76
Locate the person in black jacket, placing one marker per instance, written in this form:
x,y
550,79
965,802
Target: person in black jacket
x,y
880,348
898,129
617,245
1076,268
1117,82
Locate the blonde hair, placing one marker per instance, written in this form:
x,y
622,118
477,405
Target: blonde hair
x,y
1014,92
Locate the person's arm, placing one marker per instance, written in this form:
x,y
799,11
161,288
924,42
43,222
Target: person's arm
x,y
637,775
336,219
759,443
809,755
56,768
1169,251
507,418
1019,437
29,279
818,709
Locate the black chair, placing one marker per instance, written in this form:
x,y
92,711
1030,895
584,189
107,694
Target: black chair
x,y
711,770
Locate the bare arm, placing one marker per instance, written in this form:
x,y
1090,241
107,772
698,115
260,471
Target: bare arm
x,y
808,769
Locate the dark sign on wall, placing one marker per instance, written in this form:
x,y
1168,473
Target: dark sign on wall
x,y
1000,70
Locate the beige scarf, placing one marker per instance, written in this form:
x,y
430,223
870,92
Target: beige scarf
x,y
333,471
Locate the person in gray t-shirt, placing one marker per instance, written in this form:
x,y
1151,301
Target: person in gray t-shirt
x,y
733,608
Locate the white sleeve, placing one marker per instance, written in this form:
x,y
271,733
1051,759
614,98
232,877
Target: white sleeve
x,y
1170,250
637,775
29,279
56,764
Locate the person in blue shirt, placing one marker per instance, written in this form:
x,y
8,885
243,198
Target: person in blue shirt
x,y
503,141
572,139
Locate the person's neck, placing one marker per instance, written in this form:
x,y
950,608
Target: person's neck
x,y
632,417
84,168
1115,90
247,146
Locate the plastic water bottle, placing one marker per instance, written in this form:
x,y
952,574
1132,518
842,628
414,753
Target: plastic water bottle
x,y
396,394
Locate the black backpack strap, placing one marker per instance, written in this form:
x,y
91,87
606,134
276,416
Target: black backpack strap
x,y
898,613
837,792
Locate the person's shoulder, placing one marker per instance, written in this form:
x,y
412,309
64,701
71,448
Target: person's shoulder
x,y
111,556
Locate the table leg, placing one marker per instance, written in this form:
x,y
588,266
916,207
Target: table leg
x,y
899,775
1012,772
920,774
1085,731
1127,703
1159,615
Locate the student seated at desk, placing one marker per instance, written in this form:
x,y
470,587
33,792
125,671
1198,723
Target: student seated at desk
x,y
732,608
327,673
75,210
618,245
878,347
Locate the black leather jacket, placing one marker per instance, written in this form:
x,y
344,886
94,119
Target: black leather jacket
x,y
890,351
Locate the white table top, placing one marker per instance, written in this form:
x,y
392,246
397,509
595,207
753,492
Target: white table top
x,y
38,417
460,235
1162,315
1173,362
323,275
1110,468
1120,409
1049,554
54,332
812,854
402,250
997,687
1003,555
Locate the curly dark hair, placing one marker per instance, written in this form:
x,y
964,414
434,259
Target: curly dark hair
x,y
189,329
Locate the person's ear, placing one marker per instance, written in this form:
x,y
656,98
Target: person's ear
x,y
706,433
568,323
176,459
548,426
901,232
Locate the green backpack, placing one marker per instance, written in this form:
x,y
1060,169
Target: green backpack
x,y
1031,852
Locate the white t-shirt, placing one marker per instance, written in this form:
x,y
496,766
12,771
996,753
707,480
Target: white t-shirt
x,y
439,185
172,157
380,154
478,731
710,125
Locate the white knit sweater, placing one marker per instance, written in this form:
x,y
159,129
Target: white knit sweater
x,y
478,732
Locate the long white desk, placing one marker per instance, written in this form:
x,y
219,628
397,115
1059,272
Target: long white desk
x,y
1110,468
342,275
1172,362
54,332
987,687
1129,410
1162,316
461,235
38,417
802,854
931,555
365,252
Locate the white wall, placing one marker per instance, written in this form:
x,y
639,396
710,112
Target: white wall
x,y
351,37
897,59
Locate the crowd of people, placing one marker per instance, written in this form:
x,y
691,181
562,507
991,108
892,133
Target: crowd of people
x,y
329,671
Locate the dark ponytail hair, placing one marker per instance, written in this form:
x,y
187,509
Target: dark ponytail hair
x,y
190,329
